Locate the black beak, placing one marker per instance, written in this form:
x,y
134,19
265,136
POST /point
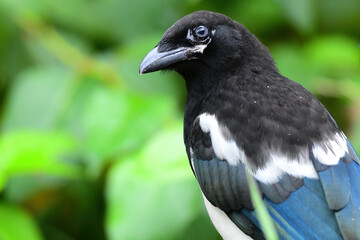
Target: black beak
x,y
155,60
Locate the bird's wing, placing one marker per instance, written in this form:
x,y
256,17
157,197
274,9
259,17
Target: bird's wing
x,y
224,186
341,185
323,203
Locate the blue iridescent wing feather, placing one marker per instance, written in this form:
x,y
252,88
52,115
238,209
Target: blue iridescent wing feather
x,y
324,208
328,208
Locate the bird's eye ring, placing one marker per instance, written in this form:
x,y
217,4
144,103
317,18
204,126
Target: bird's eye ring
x,y
201,32
199,35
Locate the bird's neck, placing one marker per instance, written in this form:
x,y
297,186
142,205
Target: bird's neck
x,y
198,88
200,84
203,84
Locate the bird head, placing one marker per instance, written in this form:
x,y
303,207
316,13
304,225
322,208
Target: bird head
x,y
205,42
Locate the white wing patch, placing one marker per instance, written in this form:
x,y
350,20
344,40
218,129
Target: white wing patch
x,y
331,151
279,164
225,149
327,152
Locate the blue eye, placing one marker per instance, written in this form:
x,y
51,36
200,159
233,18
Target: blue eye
x,y
201,32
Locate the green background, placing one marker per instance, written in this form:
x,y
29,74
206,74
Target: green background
x,y
91,150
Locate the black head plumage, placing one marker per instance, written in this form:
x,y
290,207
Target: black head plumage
x,y
205,42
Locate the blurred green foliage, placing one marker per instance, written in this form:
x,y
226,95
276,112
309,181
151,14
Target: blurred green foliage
x,y
91,150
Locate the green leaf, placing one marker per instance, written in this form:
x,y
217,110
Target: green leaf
x,y
16,224
154,191
111,23
107,121
268,15
12,50
264,218
19,8
36,98
31,152
355,136
300,13
334,55
291,62
338,16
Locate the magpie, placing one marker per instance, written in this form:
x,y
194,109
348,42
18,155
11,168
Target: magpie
x,y
242,116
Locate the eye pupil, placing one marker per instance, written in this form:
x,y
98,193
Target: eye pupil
x,y
201,31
